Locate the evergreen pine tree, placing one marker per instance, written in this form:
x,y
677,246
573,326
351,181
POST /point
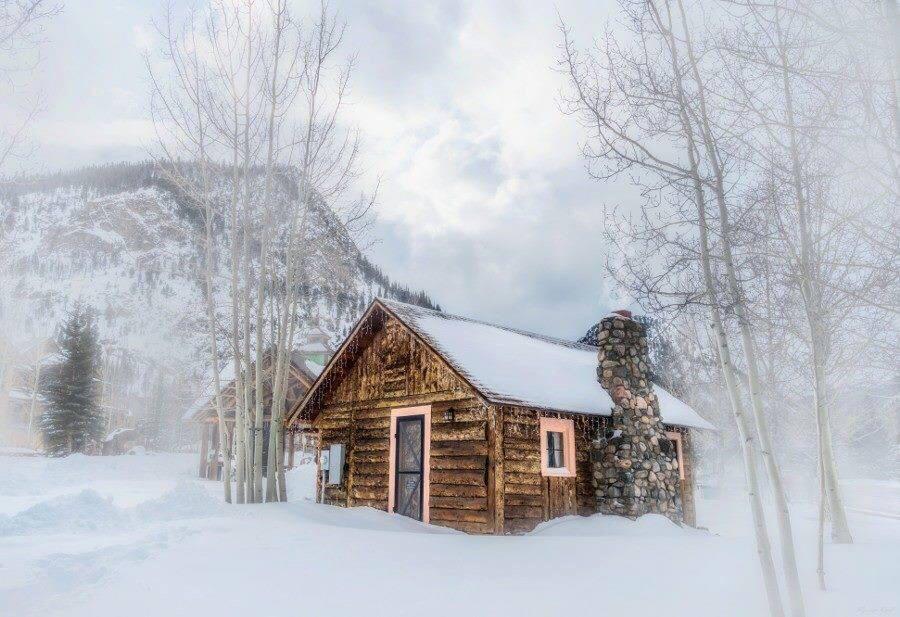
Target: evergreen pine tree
x,y
72,420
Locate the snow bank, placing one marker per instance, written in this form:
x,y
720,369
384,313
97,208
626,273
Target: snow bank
x,y
301,482
89,511
186,500
84,511
180,551
647,526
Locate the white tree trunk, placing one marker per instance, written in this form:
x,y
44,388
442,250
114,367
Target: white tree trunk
x,y
745,434
214,353
788,554
820,535
35,387
812,298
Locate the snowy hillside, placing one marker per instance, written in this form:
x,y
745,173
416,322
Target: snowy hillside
x,y
122,240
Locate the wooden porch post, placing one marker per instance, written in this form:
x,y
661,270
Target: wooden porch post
x,y
494,461
204,448
291,449
213,469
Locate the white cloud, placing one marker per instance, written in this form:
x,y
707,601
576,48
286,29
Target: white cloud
x,y
89,136
484,201
144,37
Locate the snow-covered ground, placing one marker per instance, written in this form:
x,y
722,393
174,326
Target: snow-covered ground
x,y
139,535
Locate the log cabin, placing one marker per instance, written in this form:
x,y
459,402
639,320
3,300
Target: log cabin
x,y
491,430
301,375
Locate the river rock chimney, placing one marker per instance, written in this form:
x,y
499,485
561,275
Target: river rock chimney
x,y
635,467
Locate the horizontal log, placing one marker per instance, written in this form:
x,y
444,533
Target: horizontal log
x,y
459,431
523,478
465,527
520,431
336,436
458,462
372,423
472,414
521,420
375,456
372,414
530,467
371,445
459,448
510,488
467,516
378,504
513,512
520,525
332,414
369,493
457,490
371,433
326,424
459,503
522,500
522,444
517,454
364,480
519,415
371,469
453,395
467,477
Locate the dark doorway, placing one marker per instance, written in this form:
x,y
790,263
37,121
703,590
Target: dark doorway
x,y
409,466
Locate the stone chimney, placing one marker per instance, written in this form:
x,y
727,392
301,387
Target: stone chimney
x,y
635,466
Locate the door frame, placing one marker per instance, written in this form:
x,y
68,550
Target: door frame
x,y
425,412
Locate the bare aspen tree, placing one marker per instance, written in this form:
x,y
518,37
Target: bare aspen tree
x,y
271,163
627,127
180,109
712,148
325,166
231,34
21,31
801,117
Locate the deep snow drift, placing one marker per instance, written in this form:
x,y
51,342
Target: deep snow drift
x,y
138,535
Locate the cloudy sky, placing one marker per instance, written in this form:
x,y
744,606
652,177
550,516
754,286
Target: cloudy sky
x,y
484,199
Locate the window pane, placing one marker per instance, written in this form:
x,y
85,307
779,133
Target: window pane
x,y
555,455
409,445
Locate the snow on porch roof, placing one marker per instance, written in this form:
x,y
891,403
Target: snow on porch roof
x,y
520,368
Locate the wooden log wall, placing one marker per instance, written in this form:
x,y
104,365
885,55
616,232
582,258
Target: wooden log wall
x,y
485,464
528,497
460,470
395,370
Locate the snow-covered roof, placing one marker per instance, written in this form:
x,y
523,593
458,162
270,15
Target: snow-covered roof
x,y
514,367
206,400
226,376
313,347
314,368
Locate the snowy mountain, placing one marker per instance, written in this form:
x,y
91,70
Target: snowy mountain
x,y
125,241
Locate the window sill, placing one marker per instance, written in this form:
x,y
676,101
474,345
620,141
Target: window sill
x,y
557,473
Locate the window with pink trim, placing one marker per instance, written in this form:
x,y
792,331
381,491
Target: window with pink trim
x,y
557,447
675,438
